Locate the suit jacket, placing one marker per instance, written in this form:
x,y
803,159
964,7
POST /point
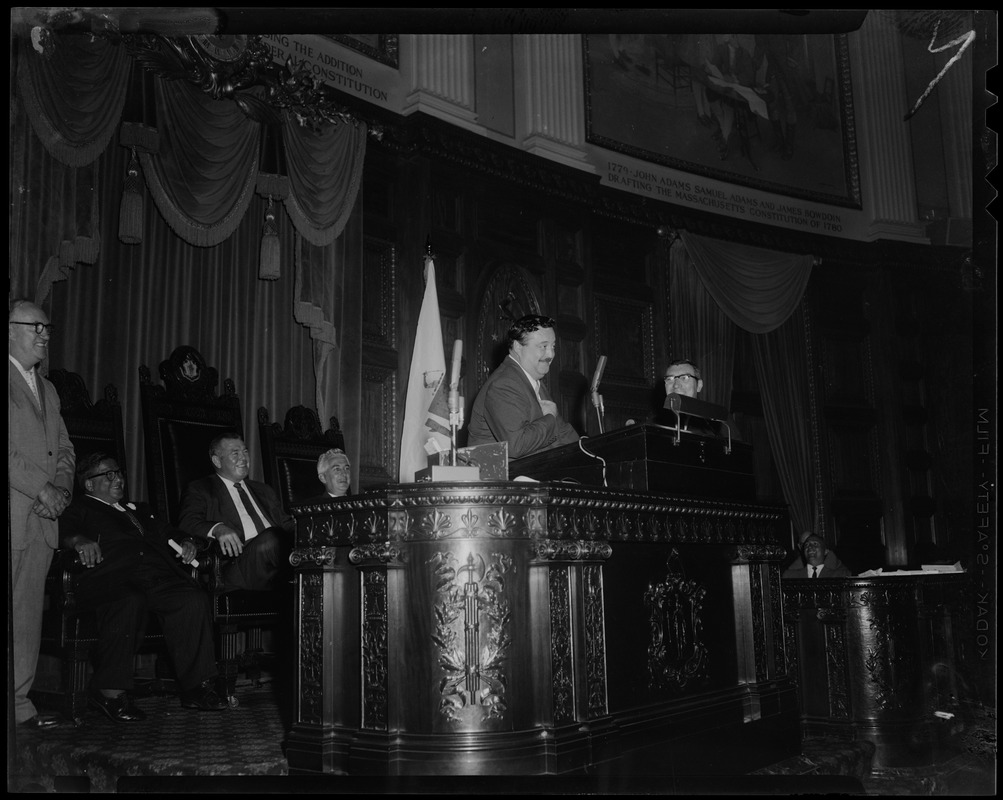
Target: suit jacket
x,y
126,553
323,497
506,409
38,451
832,567
207,501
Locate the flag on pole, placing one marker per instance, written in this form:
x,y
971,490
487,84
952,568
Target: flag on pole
x,y
426,411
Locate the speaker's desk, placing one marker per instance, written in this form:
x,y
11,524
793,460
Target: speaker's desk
x,y
530,628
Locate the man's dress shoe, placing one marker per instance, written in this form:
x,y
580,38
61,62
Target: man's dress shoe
x,y
203,698
117,709
42,722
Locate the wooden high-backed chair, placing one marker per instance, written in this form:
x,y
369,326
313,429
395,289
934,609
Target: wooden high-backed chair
x,y
180,419
67,633
290,452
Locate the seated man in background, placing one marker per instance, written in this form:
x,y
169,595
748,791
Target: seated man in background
x,y
816,560
131,570
683,377
513,405
245,517
335,471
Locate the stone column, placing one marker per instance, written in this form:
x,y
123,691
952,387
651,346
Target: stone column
x,y
888,182
442,77
551,83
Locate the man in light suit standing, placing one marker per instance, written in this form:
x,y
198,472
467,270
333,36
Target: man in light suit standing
x,y
40,463
245,517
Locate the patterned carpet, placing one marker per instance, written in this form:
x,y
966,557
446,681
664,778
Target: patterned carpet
x,y
240,750
172,741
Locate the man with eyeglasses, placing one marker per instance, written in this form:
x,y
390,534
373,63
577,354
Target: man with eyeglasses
x,y
40,461
683,377
130,570
335,471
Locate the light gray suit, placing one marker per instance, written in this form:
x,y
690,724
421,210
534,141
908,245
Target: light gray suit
x,y
39,451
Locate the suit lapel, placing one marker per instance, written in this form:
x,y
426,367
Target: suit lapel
x,y
40,385
17,382
227,508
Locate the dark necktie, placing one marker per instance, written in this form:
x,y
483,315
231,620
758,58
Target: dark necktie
x,y
134,521
259,523
814,572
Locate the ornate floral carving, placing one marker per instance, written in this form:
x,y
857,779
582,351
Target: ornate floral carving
x,y
472,620
318,556
595,640
560,550
377,552
677,654
562,666
374,650
311,648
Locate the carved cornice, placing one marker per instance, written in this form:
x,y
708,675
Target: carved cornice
x,y
411,512
551,550
376,553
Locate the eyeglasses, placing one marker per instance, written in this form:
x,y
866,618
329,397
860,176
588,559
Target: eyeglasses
x,y
684,377
38,326
110,475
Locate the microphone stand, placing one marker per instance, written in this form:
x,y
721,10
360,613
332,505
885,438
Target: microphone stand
x,y
597,402
455,423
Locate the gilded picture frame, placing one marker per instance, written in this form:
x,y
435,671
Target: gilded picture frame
x,y
768,111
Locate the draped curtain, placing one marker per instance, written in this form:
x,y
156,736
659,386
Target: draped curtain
x,y
193,279
716,287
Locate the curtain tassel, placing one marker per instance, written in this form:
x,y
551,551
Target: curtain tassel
x,y
130,216
268,264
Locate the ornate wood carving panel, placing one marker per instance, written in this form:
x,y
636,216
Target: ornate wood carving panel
x,y
379,293
380,434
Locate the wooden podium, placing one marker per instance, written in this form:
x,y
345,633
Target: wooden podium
x,y
514,628
649,458
883,659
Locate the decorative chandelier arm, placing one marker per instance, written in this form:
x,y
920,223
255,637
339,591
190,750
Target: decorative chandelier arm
x,y
240,68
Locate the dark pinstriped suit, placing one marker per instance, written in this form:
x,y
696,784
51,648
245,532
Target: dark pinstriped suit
x,y
139,573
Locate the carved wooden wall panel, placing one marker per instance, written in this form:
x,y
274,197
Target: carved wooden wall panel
x,y
379,293
381,429
624,333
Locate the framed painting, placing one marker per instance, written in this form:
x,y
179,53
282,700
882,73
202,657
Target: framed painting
x,y
768,111
381,47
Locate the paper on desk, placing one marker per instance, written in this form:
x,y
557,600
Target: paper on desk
x,y
926,569
955,567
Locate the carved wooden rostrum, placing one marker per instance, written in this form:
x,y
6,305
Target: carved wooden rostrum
x,y
522,628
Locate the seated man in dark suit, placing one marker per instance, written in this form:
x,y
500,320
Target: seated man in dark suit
x,y
245,517
130,570
514,405
816,560
335,471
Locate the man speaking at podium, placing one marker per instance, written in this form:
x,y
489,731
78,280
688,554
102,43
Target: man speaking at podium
x,y
513,405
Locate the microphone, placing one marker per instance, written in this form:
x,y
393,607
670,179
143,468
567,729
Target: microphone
x,y
596,399
454,379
